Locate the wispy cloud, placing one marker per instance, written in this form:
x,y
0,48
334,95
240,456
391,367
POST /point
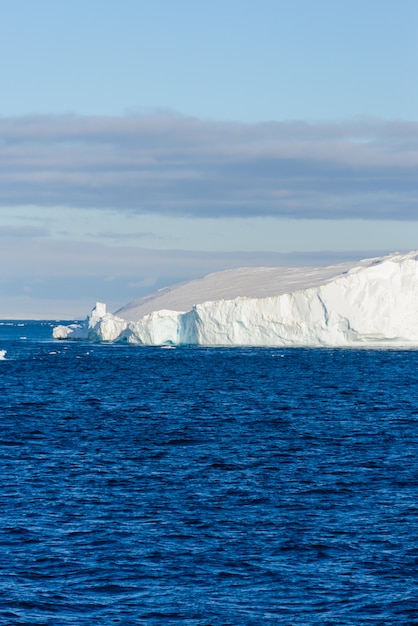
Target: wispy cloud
x,y
44,277
173,165
112,236
64,259
24,232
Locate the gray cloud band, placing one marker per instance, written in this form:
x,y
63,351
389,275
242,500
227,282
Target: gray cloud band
x,y
189,167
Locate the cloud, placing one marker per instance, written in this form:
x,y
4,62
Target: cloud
x,y
181,166
48,278
37,259
113,236
25,232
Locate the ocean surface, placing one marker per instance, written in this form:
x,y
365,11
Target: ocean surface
x,y
203,486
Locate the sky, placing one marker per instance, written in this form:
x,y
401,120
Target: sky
x,y
148,143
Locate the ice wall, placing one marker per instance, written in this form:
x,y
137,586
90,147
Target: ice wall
x,y
372,303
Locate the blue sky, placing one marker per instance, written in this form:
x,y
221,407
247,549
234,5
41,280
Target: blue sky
x,y
144,143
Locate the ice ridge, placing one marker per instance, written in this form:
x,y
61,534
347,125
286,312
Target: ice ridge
x,y
372,302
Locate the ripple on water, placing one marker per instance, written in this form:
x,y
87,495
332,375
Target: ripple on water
x,y
206,486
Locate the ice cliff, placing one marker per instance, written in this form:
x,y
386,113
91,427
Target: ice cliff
x,y
373,302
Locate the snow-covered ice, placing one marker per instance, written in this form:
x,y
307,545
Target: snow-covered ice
x,y
372,302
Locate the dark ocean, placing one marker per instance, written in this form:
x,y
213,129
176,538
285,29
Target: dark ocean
x,y
204,486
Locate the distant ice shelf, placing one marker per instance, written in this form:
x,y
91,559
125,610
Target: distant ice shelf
x,y
371,303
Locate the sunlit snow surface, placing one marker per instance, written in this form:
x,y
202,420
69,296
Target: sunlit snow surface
x,y
373,302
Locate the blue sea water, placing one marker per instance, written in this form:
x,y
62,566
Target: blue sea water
x,y
203,486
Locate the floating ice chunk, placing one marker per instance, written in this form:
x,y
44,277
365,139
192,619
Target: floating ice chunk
x,y
62,332
98,326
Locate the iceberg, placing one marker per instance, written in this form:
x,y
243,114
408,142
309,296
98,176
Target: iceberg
x,y
370,303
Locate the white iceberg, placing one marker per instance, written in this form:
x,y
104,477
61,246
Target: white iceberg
x,y
373,302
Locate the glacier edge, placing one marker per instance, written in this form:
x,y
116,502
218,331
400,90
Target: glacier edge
x,y
373,303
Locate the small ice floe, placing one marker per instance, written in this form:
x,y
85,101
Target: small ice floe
x,y
3,355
